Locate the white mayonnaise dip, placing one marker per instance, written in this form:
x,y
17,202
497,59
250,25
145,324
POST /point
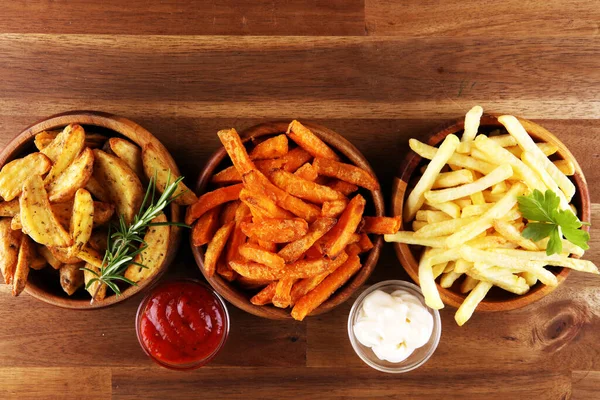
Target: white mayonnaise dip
x,y
393,325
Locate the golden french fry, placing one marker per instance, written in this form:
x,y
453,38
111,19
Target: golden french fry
x,y
557,260
450,208
508,231
500,187
445,227
547,148
409,237
456,160
466,309
431,216
427,282
565,166
536,165
130,153
448,278
529,277
567,247
453,178
438,269
14,173
74,177
499,277
462,266
472,123
468,284
152,257
417,225
475,210
71,278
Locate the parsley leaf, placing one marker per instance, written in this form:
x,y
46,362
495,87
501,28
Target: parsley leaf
x,y
547,220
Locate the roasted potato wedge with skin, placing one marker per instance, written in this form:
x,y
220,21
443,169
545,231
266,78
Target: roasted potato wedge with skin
x,y
96,289
157,240
37,217
130,153
49,257
99,240
97,190
22,270
82,220
18,171
9,208
74,177
92,140
10,242
71,277
38,262
63,254
54,148
122,184
72,146
156,164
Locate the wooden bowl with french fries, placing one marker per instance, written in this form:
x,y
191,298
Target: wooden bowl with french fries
x,y
105,177
272,216
409,245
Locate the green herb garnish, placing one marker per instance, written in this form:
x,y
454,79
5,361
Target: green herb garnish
x,y
546,219
125,242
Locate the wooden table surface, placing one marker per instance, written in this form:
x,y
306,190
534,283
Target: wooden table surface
x,y
376,71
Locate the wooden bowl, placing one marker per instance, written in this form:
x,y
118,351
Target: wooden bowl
x,y
47,288
497,299
240,297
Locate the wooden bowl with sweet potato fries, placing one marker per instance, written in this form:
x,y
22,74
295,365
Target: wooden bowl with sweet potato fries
x,y
283,232
486,201
69,180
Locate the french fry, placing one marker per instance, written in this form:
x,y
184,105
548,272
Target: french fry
x,y
417,225
130,153
333,209
293,251
14,173
381,225
466,309
268,166
462,266
500,277
157,164
248,283
10,241
74,177
514,127
313,299
431,216
71,278
257,254
452,178
304,189
346,172
557,260
339,236
468,284
265,296
266,206
228,212
257,182
274,147
82,220
529,277
307,172
283,295
53,148
365,243
72,146
547,148
462,203
427,282
237,152
450,208
9,208
567,247
205,227
254,270
309,141
155,252
294,159
445,227
475,210
565,166
37,217
472,123
225,271
409,237
536,166
97,190
215,248
416,197
212,199
236,239
276,230
508,231
228,176
343,187
500,187
457,160
448,278
24,258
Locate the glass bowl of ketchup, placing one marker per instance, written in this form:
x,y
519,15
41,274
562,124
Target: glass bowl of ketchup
x,y
182,324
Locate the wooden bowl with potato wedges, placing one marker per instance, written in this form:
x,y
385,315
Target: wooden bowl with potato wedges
x,y
284,232
69,180
523,151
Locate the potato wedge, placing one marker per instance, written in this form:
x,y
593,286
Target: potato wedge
x,y
72,146
76,176
130,153
22,269
96,289
71,277
10,242
9,208
157,240
122,184
14,173
99,240
82,220
37,217
97,190
49,257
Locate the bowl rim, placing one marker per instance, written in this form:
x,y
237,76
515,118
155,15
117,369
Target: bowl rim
x,y
124,127
408,166
236,296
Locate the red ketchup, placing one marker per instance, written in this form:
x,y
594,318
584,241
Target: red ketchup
x,y
182,324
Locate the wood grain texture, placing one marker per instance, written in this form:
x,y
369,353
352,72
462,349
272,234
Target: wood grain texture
x,y
485,18
178,17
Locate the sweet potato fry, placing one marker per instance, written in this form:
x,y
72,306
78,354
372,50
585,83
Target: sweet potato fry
x,y
309,141
227,176
365,243
283,295
267,166
303,286
254,270
210,200
294,159
313,299
225,271
9,208
304,189
249,283
265,296
381,225
205,227
341,234
315,251
294,250
236,150
267,207
10,240
334,209
257,182
74,177
228,212
346,172
22,269
306,268
14,173
257,254
237,237
215,248
307,172
274,147
269,246
276,230
343,187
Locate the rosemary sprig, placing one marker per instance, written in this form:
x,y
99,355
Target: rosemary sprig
x,y
126,242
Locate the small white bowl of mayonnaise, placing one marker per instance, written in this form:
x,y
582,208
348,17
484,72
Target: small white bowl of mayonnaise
x,y
391,329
